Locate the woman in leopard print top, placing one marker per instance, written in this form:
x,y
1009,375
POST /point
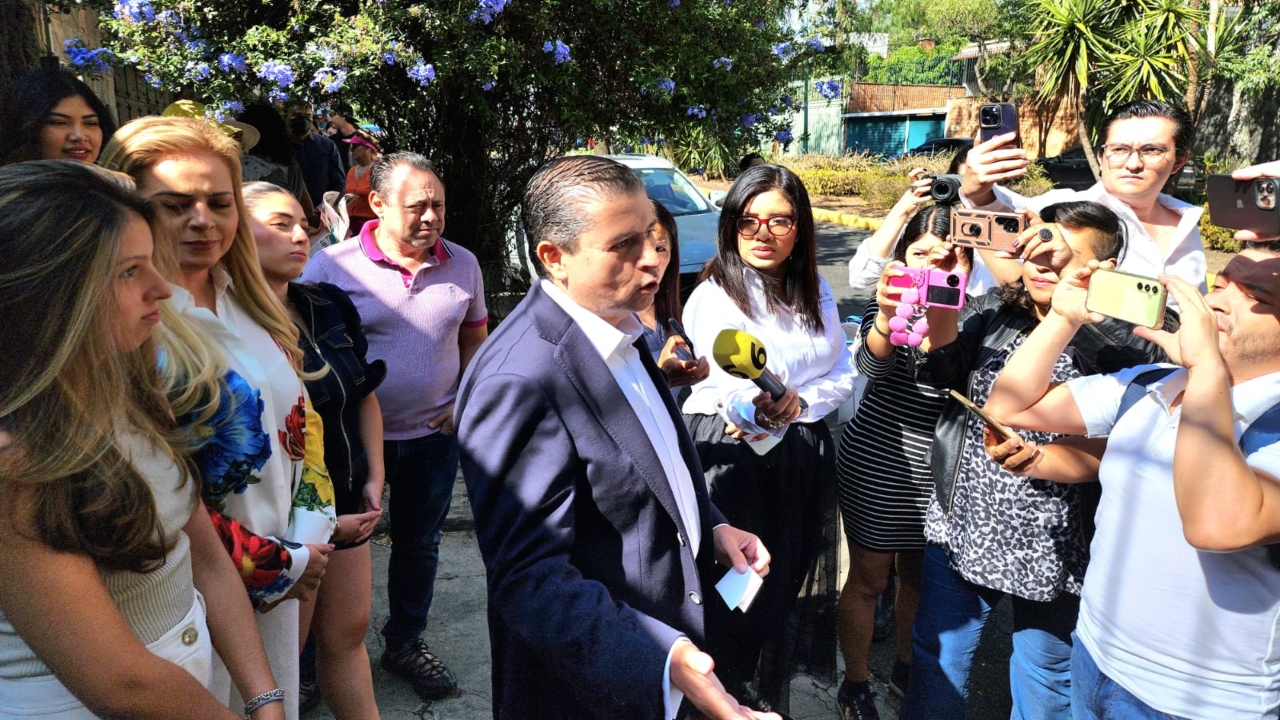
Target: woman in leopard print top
x,y
990,532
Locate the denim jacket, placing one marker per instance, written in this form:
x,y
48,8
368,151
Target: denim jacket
x,y
331,334
987,325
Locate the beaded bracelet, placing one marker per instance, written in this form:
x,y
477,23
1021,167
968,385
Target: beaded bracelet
x,y
259,701
908,325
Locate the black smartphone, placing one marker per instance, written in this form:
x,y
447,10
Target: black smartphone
x,y
998,119
685,354
1244,204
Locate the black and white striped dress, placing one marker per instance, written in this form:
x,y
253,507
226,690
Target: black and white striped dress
x,y
885,483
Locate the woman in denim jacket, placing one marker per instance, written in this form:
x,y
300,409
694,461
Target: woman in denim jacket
x,y
991,533
330,334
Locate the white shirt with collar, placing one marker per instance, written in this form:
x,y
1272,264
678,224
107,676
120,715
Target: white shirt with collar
x,y
1142,255
818,366
1191,633
616,346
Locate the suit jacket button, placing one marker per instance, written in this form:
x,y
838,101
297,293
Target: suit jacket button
x,y
695,598
680,537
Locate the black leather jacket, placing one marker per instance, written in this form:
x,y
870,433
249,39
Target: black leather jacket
x,y
987,325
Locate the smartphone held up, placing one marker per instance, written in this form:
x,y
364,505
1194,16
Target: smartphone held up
x,y
995,119
1244,204
1132,298
986,229
935,288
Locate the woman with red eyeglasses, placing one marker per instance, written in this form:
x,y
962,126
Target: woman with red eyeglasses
x,y
770,461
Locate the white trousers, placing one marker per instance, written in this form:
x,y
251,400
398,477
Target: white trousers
x,y
186,645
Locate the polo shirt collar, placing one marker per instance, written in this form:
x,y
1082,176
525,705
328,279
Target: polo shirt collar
x,y
439,252
1249,399
608,340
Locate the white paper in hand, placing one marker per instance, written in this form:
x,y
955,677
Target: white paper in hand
x,y
739,589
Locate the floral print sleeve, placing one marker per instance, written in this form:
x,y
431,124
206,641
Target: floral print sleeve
x,y
313,518
233,446
263,563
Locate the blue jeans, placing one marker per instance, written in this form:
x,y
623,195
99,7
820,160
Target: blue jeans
x,y
421,473
1094,696
948,626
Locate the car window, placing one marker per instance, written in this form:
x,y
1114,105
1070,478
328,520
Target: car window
x,y
673,190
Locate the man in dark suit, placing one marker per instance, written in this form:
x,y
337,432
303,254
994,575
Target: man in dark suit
x,y
591,509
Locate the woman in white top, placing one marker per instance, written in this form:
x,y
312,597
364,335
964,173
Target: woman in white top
x,y
770,462
273,511
105,541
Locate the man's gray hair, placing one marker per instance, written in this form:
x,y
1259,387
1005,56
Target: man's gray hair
x,y
385,166
556,197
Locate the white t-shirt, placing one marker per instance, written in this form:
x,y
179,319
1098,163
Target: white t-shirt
x,y
1192,633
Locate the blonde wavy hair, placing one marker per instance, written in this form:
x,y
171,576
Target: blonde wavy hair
x,y
143,143
67,394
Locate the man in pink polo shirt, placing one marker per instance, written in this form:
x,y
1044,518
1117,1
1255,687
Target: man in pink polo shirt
x,y
421,304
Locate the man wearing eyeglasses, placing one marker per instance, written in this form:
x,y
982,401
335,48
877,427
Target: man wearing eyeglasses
x,y
1146,143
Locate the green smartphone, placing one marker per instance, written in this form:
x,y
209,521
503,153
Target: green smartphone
x,y
1132,298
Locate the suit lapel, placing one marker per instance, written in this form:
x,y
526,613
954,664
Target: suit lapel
x,y
584,367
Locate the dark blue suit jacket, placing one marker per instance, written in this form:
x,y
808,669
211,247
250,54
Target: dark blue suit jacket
x,y
591,577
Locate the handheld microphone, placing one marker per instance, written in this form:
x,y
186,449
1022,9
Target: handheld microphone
x,y
742,355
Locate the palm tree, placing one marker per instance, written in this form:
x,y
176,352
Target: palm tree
x,y
1100,54
1070,42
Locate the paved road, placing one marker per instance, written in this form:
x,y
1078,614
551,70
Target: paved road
x,y
458,629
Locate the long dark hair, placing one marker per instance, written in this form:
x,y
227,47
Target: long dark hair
x,y
799,283
26,103
934,219
667,303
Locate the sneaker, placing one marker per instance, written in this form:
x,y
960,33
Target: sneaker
x,y
859,707
430,678
900,678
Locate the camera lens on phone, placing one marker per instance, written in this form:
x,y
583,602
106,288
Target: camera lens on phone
x,y
971,229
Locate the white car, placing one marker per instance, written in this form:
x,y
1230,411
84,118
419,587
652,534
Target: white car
x,y
697,215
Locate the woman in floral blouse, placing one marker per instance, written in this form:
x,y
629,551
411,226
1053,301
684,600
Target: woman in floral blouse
x,y
273,510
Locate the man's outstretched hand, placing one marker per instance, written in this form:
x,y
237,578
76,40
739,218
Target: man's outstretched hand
x,y
693,673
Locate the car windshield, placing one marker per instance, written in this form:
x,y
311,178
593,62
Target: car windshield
x,y
673,190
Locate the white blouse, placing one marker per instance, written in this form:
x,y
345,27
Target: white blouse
x,y
266,507
818,366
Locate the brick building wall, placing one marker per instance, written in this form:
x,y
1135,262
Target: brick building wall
x,y
1044,129
871,97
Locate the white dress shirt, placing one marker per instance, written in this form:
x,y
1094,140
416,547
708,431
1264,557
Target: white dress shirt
x,y
616,346
1142,255
818,366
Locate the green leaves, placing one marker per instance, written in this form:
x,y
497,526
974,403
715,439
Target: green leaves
x,y
1123,51
1070,40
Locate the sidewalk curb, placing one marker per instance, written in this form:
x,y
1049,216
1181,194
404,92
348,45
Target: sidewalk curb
x,y
852,220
